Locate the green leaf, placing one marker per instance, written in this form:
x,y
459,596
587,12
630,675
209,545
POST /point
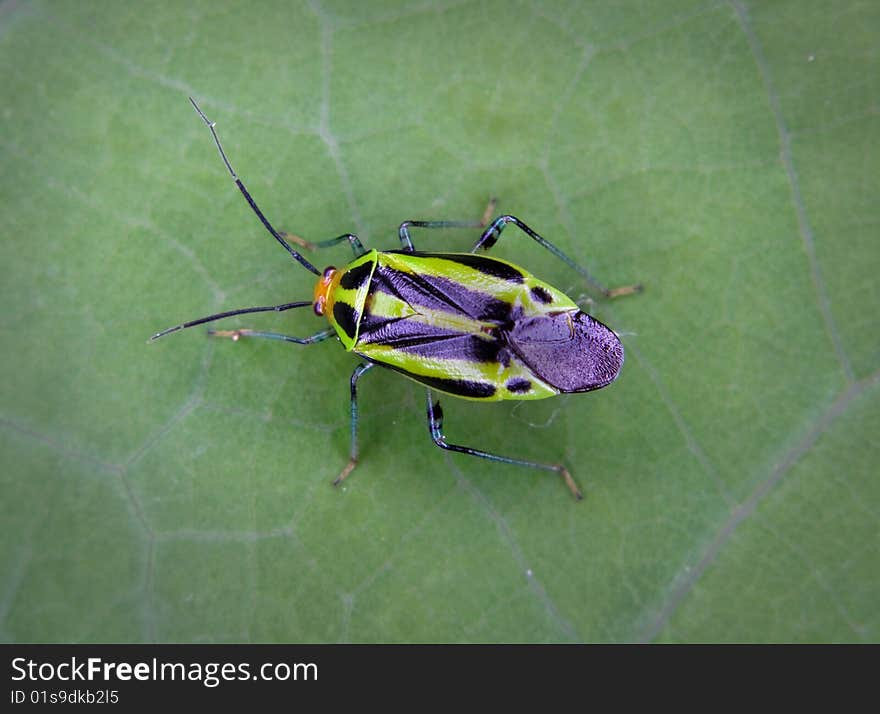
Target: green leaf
x,y
724,154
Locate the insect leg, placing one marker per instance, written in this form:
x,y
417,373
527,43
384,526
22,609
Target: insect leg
x,y
244,192
435,428
492,233
356,246
236,335
353,451
407,243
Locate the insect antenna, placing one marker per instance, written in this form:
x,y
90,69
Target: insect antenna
x,y
244,192
230,313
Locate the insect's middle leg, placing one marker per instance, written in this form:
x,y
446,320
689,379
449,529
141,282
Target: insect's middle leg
x,y
493,232
353,451
435,428
406,240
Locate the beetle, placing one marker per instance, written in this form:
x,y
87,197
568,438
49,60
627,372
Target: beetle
x,y
464,324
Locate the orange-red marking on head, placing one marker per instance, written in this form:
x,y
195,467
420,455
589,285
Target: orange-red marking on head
x,y
323,298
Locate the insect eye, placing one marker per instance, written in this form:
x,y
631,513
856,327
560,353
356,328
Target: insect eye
x,y
318,306
328,274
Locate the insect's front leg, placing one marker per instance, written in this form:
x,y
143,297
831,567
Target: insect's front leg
x,y
435,428
353,451
356,246
406,240
231,313
493,232
236,335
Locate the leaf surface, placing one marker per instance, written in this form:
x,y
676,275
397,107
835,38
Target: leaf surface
x,y
724,154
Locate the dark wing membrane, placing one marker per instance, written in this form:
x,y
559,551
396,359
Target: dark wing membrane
x,y
569,350
438,292
449,360
421,339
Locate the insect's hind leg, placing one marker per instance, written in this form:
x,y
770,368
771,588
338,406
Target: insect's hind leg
x,y
354,449
435,428
493,232
406,240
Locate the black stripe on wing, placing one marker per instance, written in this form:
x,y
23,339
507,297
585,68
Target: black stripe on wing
x,y
481,263
458,387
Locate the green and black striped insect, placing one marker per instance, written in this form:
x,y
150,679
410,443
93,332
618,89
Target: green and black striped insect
x,y
463,324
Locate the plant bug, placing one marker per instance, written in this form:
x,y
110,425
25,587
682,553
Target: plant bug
x,y
464,324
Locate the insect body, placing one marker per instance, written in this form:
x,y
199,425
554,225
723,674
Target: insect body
x,y
468,325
